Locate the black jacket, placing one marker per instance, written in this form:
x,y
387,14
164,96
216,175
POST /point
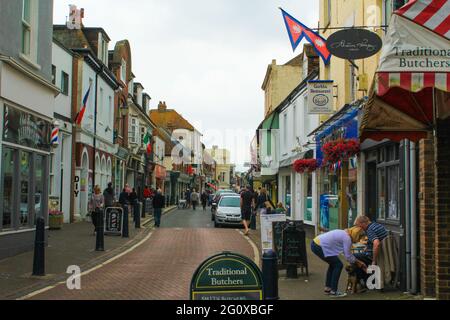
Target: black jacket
x,y
159,201
123,198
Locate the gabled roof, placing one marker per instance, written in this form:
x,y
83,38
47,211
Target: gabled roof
x,y
169,118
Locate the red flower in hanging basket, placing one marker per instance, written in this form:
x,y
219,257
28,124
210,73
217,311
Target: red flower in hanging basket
x,y
308,165
339,150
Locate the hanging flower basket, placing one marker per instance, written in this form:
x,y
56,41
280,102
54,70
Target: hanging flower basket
x,y
339,150
305,165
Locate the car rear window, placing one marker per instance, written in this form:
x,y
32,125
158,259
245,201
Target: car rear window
x,y
230,202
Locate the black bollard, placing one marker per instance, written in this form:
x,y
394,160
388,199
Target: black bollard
x,y
39,248
100,239
125,222
137,216
270,275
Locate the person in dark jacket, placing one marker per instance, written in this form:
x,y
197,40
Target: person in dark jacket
x,y
133,198
204,199
158,204
108,195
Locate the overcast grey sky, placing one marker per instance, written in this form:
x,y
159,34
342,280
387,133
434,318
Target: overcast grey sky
x,y
205,58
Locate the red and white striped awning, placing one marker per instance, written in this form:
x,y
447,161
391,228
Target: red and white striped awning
x,y
432,14
412,81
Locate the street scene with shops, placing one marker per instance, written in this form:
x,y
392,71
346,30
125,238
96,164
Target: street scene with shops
x,y
311,163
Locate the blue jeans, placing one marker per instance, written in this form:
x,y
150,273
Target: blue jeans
x,y
157,215
334,267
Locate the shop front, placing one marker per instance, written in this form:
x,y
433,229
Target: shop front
x,y
405,136
24,186
337,149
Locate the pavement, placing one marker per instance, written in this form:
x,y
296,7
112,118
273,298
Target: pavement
x,y
74,244
311,287
161,266
153,264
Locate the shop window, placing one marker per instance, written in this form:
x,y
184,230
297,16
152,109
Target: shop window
x,y
39,184
381,194
388,183
64,83
25,192
7,187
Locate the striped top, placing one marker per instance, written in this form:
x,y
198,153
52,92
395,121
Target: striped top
x,y
375,231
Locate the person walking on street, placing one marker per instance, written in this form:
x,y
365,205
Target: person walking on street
x,y
194,198
247,204
204,199
147,192
262,199
158,204
124,202
328,246
133,197
109,196
187,195
97,205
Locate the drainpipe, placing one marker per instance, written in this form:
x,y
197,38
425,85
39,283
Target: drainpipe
x,y
412,155
407,217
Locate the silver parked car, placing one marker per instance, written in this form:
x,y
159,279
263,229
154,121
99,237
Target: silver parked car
x,y
228,211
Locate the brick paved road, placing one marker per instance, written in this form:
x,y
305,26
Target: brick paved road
x,y
162,267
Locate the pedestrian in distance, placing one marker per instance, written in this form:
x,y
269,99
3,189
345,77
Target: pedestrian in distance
x,y
328,246
133,197
204,199
263,201
109,196
97,205
158,204
195,198
187,195
247,205
124,201
147,192
280,208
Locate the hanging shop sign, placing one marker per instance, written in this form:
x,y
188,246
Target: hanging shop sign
x,y
227,276
354,44
320,97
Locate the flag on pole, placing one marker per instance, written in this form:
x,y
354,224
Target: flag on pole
x,y
80,114
148,142
297,30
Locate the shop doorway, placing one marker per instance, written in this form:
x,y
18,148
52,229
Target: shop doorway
x,y
371,187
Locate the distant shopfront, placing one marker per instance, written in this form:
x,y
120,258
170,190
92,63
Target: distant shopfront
x,y
25,149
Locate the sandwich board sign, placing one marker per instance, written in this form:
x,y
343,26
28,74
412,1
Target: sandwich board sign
x,y
227,276
113,221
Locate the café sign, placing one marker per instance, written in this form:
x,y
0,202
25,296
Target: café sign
x,y
354,44
227,276
320,97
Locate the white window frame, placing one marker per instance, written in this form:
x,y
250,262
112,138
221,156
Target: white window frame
x,y
29,53
134,130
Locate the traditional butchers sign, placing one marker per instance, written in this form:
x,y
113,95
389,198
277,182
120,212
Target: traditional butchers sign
x,y
320,96
113,221
409,47
354,44
227,276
